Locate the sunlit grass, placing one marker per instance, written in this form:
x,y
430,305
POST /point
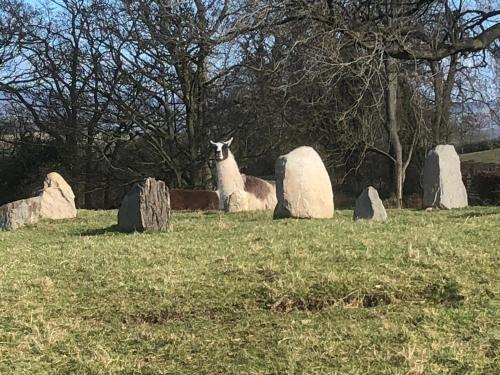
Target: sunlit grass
x,y
241,293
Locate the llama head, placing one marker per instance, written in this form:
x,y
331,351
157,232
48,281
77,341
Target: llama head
x,y
221,149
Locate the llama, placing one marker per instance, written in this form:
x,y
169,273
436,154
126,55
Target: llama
x,y
238,192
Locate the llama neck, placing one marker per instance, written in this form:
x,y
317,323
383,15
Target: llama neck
x,y
228,176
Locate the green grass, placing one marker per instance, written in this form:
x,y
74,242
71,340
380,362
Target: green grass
x,y
489,156
243,294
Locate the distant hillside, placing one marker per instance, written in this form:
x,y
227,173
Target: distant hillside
x,y
488,156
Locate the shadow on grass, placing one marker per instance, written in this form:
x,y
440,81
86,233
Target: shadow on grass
x,y
100,231
202,212
466,215
190,214
114,229
211,213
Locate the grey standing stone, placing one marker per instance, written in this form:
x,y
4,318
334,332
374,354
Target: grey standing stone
x,y
145,207
303,187
19,213
443,185
369,206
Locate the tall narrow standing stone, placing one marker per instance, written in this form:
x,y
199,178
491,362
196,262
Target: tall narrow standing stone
x,y
443,185
145,207
369,206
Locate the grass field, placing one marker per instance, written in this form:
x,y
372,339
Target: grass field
x,y
243,294
488,156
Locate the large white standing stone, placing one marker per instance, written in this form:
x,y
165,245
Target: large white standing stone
x,y
303,187
443,185
369,206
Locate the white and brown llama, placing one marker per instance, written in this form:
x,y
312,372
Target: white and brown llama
x,y
238,192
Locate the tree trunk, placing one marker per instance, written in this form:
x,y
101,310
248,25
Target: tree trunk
x,y
195,117
89,164
443,87
107,193
438,101
393,129
195,124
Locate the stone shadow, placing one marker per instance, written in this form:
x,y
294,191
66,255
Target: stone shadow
x,y
100,231
466,215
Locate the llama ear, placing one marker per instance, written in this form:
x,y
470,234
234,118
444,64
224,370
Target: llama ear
x,y
228,143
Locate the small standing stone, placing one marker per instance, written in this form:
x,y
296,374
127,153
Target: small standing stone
x,y
443,185
145,207
369,206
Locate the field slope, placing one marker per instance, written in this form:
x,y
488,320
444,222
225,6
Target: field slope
x,y
243,294
488,156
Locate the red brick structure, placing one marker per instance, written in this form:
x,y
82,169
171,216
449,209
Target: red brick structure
x,y
184,199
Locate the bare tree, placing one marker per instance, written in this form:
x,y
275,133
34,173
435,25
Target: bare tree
x,y
395,32
174,53
60,83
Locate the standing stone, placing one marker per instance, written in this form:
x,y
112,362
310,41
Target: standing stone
x,y
369,206
238,201
443,185
56,201
303,187
145,207
19,213
57,198
55,180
